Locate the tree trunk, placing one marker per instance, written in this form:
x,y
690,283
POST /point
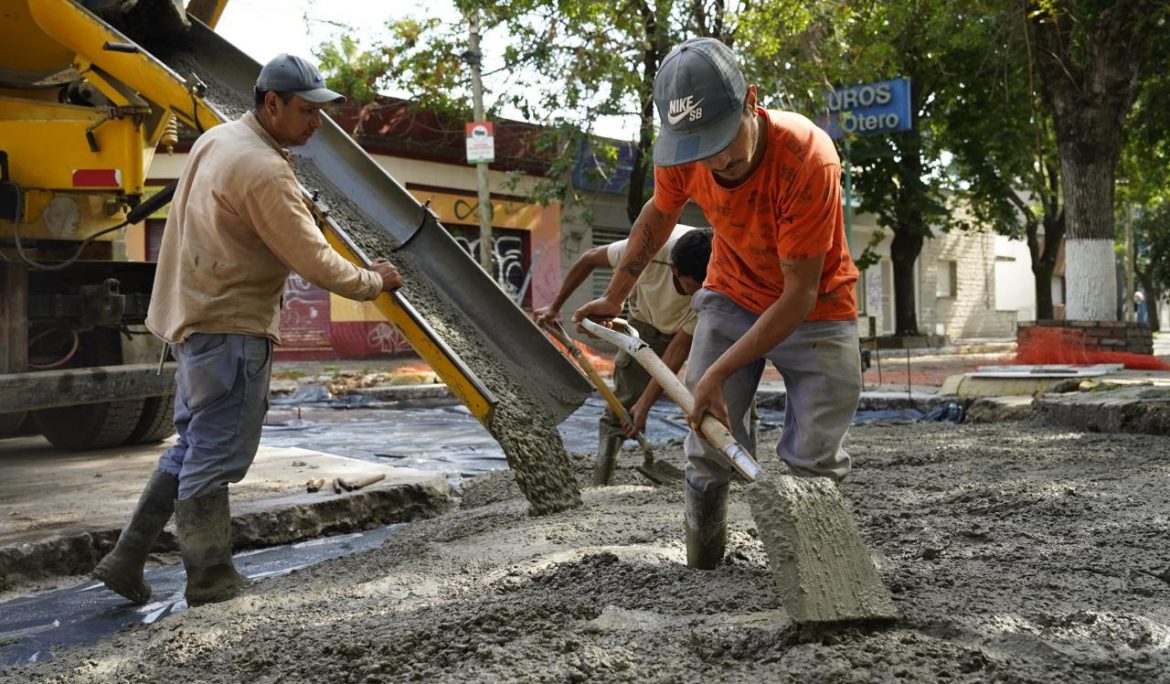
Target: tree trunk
x,y
644,153
1090,264
1044,259
1089,67
904,251
909,227
1153,296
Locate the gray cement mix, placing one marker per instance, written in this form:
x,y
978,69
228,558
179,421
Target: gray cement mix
x,y
1014,553
823,570
524,429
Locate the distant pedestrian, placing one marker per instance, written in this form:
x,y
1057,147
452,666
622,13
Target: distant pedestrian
x,y
1140,309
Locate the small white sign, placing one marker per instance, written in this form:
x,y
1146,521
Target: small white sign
x,y
481,143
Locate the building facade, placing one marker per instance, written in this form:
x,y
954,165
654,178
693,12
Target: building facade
x,y
969,285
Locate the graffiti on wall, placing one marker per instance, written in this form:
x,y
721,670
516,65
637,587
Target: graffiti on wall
x,y
304,318
387,339
508,247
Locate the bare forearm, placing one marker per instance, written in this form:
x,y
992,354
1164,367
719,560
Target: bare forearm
x,y
577,274
649,232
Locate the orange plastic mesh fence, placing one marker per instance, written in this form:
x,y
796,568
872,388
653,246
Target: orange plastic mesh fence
x,y
1043,346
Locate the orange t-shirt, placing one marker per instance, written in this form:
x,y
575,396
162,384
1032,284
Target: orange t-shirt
x,y
789,208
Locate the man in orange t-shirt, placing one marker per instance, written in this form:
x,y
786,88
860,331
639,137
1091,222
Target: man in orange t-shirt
x,y
780,284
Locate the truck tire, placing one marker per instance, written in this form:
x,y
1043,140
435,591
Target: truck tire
x,y
89,426
157,421
10,423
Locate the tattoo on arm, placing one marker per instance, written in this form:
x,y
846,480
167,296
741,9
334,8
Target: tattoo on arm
x,y
642,259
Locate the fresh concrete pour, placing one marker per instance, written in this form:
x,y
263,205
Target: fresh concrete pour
x,y
525,430
1015,552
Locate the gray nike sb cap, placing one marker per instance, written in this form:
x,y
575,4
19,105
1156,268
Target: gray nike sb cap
x,y
699,92
292,74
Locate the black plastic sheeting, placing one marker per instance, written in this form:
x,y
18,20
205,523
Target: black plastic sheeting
x,y
444,438
447,438
33,628
438,438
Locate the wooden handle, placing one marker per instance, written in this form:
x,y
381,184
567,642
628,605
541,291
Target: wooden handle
x,y
715,432
611,399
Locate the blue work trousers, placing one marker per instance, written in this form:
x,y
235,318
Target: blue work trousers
x,y
220,403
820,362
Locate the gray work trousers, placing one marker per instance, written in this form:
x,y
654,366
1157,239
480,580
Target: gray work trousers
x,y
821,366
630,379
220,403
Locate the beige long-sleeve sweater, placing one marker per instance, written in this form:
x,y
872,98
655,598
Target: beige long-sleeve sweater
x,y
236,228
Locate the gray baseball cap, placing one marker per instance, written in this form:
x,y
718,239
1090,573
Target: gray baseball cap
x,y
699,92
291,74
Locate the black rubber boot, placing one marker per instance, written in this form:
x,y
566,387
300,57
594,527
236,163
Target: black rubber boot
x,y
607,451
121,569
705,522
205,540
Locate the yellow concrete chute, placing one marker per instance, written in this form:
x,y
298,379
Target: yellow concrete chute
x,y
397,310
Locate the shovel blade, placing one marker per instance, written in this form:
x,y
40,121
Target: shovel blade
x,y
661,473
820,563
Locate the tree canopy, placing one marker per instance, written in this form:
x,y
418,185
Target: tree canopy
x,y
1019,106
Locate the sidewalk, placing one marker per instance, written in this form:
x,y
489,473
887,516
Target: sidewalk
x,y
60,511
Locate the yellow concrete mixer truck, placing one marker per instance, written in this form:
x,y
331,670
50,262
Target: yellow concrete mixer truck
x,y
75,145
85,100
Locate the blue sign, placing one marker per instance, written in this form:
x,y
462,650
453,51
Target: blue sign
x,y
868,109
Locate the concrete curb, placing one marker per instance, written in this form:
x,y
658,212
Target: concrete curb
x,y
1138,409
277,522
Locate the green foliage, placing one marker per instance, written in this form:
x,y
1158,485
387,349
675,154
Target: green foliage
x,y
355,73
1145,164
869,256
984,135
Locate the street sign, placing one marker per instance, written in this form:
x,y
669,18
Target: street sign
x,y
868,109
481,143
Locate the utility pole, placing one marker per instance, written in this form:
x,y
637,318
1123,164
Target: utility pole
x,y
474,58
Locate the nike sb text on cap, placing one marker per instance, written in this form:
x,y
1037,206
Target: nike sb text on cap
x,y
291,74
699,92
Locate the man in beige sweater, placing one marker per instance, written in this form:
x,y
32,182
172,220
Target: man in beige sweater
x,y
237,228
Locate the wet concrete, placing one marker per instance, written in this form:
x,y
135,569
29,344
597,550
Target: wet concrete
x,y
34,627
823,570
1013,552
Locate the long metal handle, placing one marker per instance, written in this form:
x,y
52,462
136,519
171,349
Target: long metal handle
x,y
715,432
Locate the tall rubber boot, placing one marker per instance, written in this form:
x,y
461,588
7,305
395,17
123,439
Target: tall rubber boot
x,y
705,523
121,569
205,540
607,451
